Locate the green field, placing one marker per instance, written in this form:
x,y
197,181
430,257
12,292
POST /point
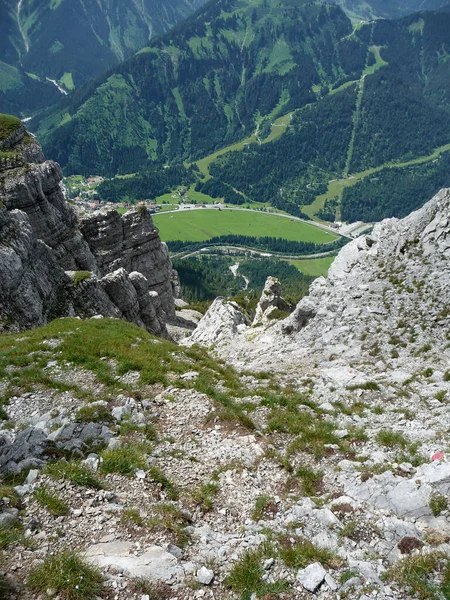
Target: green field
x,y
201,225
313,266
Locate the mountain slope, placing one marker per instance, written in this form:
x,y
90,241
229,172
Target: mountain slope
x,y
398,110
73,41
204,85
232,68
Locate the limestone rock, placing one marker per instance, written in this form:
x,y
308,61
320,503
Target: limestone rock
x,y
204,576
219,325
78,438
270,300
31,448
155,563
126,270
312,577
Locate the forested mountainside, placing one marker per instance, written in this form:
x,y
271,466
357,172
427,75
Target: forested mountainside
x,y
201,86
387,9
359,99
398,110
72,41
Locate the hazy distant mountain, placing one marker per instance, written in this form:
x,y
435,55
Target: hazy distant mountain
x,y
71,41
386,9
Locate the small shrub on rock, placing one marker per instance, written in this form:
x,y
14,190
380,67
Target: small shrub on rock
x,y
438,503
408,544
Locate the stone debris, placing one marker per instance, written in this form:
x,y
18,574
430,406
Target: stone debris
x,y
204,576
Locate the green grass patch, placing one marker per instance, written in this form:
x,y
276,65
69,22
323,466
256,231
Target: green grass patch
x,y
94,413
391,439
74,472
7,491
246,576
51,502
311,480
8,125
125,459
68,575
438,504
312,433
301,552
95,344
67,81
419,574
80,276
131,516
204,494
204,224
170,518
315,267
265,507
168,486
11,535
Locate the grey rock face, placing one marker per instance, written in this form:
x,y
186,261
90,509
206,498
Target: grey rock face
x,y
42,247
131,242
31,448
78,438
398,274
155,563
219,325
312,577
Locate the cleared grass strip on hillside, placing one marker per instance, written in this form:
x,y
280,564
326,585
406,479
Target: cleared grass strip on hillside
x,y
336,186
313,266
279,126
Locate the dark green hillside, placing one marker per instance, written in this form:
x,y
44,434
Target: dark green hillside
x,y
397,111
72,41
405,107
20,91
289,171
395,192
203,86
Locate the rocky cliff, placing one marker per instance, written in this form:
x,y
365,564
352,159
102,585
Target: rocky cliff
x,y
52,264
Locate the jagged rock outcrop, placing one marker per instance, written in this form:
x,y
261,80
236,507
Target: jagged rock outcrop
x,y
51,265
131,242
270,300
379,286
220,325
